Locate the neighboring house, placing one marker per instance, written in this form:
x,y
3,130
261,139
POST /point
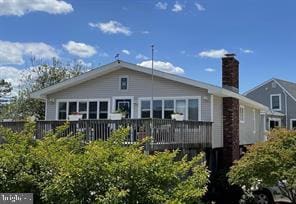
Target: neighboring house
x,y
236,119
280,97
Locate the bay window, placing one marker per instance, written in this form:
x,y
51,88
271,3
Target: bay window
x,y
89,109
165,107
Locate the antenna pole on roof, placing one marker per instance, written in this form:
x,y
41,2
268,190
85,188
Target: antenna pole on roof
x,y
152,92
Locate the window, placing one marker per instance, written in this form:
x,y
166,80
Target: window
x,y
181,107
93,107
193,109
62,111
72,108
242,114
293,124
168,108
275,101
274,123
123,83
145,109
83,109
157,109
103,110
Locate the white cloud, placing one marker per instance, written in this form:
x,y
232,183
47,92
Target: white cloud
x,y
14,52
79,49
199,7
177,7
126,52
141,56
111,27
213,53
83,63
210,70
103,54
246,51
21,7
163,66
161,5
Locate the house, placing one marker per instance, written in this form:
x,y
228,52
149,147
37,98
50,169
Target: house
x,y
234,119
280,96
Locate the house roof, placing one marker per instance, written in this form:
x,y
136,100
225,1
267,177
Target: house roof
x,y
287,86
215,90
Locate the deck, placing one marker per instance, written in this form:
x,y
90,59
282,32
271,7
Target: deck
x,y
165,134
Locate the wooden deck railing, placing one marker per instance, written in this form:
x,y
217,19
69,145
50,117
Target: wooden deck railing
x,y
164,133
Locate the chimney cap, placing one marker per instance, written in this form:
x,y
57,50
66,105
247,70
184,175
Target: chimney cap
x,y
229,55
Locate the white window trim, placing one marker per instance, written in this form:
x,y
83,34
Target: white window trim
x,y
280,101
291,122
244,114
114,98
174,98
275,119
119,82
98,100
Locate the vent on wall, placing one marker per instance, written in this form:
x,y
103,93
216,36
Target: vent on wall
x,y
273,85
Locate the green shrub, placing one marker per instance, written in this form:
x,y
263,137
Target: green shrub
x,y
67,170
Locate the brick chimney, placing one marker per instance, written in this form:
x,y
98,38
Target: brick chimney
x,y
230,81
230,73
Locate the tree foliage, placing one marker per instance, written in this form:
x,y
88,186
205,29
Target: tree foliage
x,y
35,78
5,88
269,163
67,170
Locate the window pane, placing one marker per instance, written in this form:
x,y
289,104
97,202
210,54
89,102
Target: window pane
x,y
192,109
62,111
93,107
123,83
83,109
103,110
145,109
157,109
72,108
168,109
275,102
181,107
82,106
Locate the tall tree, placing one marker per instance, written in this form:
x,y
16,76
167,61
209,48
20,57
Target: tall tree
x,y
269,163
37,77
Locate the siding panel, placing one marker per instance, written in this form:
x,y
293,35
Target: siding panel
x,y
107,86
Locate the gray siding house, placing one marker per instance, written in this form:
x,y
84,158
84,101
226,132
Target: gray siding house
x,y
236,120
280,96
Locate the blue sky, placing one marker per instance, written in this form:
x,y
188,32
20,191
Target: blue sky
x,y
189,35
